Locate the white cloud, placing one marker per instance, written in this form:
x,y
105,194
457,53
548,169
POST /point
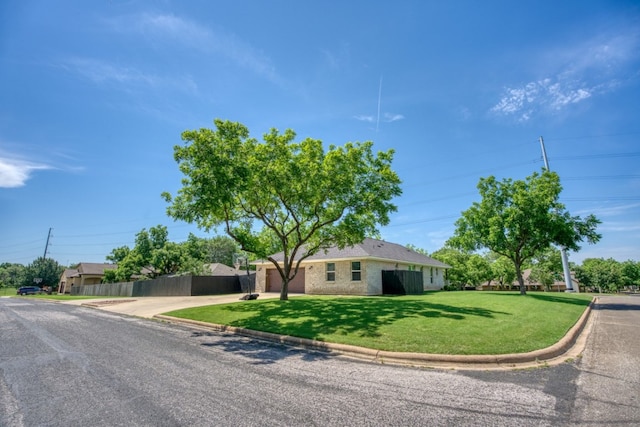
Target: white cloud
x,y
620,227
160,28
580,72
608,211
15,173
532,97
172,26
389,117
101,72
386,117
104,73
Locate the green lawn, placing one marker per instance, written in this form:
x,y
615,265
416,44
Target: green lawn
x,y
436,322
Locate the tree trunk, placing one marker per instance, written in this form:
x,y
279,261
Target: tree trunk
x,y
523,289
284,291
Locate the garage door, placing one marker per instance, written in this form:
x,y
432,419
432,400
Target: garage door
x,y
274,281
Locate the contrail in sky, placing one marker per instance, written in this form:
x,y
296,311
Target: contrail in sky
x,y
379,99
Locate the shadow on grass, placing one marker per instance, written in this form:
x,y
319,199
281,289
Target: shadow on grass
x,y
261,352
314,318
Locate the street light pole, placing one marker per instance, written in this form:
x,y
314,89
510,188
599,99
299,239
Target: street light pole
x,y
563,250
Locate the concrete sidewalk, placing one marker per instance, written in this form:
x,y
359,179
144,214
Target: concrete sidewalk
x,y
148,307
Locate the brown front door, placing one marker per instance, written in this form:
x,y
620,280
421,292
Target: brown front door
x,y
274,281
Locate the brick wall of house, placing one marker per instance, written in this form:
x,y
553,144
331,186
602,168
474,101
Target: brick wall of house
x,y
317,283
371,283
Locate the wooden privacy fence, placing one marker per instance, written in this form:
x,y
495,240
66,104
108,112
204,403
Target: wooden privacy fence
x,y
168,286
402,282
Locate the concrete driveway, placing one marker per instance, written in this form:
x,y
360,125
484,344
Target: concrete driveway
x,y
150,306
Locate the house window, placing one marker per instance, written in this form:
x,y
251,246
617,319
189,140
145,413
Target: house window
x,y
331,271
356,272
431,276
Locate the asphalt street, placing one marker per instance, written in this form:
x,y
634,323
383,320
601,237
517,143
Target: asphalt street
x,y
62,364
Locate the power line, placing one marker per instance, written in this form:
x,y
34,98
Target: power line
x,y
593,136
597,156
597,177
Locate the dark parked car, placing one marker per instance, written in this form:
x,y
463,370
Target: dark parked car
x,y
29,290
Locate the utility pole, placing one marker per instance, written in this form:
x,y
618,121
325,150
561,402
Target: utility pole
x,y
46,247
563,250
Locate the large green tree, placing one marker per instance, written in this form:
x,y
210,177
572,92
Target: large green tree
x,y
520,219
11,274
46,271
152,256
631,274
604,274
281,195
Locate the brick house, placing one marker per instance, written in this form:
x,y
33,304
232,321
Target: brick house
x,y
355,270
87,273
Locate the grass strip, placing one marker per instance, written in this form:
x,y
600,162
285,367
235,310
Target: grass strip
x,y
435,322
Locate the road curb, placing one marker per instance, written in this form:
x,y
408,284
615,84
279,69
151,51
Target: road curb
x,y
543,357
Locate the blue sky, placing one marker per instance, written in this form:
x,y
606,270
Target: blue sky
x,y
94,95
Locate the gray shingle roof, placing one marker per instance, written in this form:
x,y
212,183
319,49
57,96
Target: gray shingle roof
x,y
70,272
377,249
95,268
217,269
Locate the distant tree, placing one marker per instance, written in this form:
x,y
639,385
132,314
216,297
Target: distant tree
x,y
502,270
11,275
547,268
280,195
478,270
604,274
218,249
520,219
152,256
631,274
46,269
457,274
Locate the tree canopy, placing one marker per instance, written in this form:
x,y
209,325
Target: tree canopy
x,y
609,275
11,274
46,269
154,255
547,268
520,219
279,195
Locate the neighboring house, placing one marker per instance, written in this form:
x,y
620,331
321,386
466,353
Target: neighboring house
x,y
217,269
87,273
355,270
531,285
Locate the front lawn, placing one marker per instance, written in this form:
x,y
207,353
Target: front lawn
x,y
436,322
